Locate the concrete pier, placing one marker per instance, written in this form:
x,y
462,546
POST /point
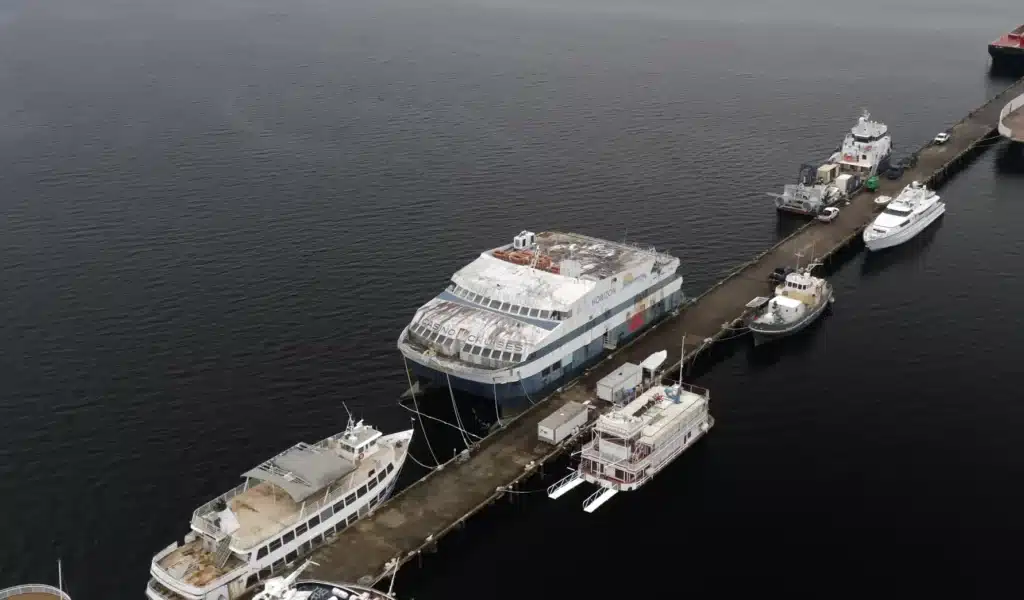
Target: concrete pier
x,y
416,519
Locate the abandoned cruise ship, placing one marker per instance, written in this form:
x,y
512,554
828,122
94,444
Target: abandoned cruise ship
x,y
522,318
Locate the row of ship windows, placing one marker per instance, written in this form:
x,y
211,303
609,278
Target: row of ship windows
x,y
512,309
325,513
482,352
283,564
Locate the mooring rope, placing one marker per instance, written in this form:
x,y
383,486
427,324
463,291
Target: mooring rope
x,y
412,391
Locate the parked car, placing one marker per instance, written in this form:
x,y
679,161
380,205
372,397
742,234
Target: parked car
x,y
942,138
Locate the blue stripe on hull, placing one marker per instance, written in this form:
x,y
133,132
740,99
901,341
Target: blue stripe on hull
x,y
537,386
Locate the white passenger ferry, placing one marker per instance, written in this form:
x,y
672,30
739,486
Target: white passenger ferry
x,y
287,507
632,443
523,317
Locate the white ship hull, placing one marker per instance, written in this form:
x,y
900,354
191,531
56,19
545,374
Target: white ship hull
x,y
874,242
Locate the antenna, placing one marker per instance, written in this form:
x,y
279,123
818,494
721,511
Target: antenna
x,y
682,357
60,577
349,413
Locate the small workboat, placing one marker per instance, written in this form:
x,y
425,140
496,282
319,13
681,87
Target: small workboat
x,y
882,200
828,214
798,302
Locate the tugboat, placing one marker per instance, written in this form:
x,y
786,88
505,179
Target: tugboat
x,y
798,302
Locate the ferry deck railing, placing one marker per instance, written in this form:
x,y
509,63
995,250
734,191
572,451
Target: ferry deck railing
x,y
33,588
333,494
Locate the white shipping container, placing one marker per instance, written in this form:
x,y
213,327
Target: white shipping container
x,y
562,423
614,386
845,183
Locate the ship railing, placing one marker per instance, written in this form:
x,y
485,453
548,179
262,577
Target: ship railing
x,y
33,588
621,463
176,585
695,389
332,495
155,588
201,518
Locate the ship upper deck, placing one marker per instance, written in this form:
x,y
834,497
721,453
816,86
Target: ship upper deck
x,y
1013,39
494,276
650,412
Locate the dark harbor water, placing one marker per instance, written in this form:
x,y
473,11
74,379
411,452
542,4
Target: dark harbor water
x,y
217,215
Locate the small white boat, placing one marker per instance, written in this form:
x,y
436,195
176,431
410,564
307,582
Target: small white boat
x,y
882,200
828,214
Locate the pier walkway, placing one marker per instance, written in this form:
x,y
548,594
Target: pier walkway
x,y
415,519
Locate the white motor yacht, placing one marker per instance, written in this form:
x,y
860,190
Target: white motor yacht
x,y
904,217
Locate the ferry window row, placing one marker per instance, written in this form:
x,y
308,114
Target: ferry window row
x,y
326,513
495,354
281,564
554,367
799,286
482,352
513,309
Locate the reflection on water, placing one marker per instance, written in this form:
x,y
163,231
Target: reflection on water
x,y
790,347
1004,73
1010,160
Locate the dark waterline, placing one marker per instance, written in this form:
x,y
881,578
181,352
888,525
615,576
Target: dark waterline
x,y
218,215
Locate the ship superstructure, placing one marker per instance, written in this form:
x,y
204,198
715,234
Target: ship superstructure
x,y
525,316
865,151
286,507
